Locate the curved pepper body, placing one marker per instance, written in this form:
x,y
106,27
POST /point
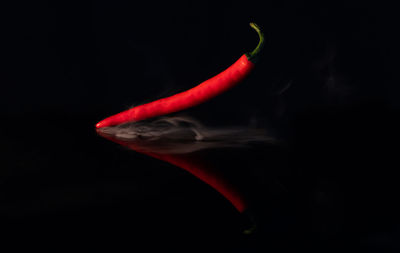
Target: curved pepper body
x,y
186,99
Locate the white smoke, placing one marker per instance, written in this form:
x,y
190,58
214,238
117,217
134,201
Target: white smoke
x,y
184,135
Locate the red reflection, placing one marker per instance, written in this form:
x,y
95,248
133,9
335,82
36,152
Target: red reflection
x,y
192,163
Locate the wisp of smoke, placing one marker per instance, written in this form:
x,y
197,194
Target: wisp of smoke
x,y
178,135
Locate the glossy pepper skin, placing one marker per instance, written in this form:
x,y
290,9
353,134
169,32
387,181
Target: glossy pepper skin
x,y
201,93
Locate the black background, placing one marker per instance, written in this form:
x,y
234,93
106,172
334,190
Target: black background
x,y
326,86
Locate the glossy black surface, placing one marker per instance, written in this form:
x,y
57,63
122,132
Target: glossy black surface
x,y
335,185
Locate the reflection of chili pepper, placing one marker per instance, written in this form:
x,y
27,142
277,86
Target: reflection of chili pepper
x,y
197,167
192,97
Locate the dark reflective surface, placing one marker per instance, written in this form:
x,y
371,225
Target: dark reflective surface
x,y
313,194
78,186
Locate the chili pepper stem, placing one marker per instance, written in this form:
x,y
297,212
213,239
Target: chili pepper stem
x,y
253,55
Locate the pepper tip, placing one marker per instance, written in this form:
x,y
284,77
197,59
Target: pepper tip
x,y
99,125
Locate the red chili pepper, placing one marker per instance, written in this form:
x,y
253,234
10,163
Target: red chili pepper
x,y
194,96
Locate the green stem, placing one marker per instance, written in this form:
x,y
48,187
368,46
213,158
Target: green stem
x,y
252,56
